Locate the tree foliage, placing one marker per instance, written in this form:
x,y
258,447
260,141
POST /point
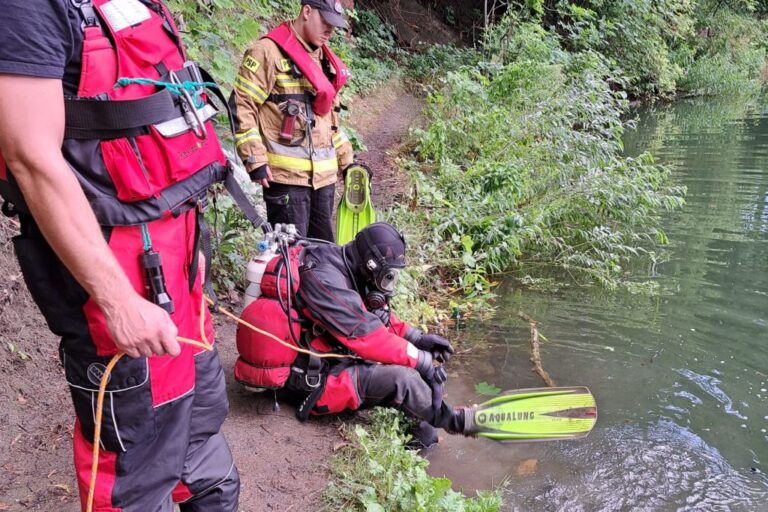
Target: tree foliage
x,y
661,47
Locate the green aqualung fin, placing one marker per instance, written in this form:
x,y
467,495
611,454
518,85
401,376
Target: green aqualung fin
x,y
355,209
536,414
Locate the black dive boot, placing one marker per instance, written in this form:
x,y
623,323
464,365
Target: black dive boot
x,y
424,436
456,420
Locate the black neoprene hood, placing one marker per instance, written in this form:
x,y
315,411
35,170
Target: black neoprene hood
x,y
382,243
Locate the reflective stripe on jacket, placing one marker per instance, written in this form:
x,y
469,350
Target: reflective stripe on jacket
x,y
266,74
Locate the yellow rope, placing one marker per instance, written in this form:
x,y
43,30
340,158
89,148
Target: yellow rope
x,y
97,428
275,338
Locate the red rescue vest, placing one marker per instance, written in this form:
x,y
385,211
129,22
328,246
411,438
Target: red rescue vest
x,y
139,150
264,363
325,90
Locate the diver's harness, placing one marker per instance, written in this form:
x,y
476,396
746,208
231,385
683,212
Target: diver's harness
x,y
308,372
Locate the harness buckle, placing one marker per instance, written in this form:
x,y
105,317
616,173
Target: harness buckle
x,y
191,114
87,12
313,381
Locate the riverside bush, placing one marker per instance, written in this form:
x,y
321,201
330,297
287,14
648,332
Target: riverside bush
x,y
521,166
727,58
657,46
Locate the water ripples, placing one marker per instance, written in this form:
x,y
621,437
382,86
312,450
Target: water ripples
x,y
711,386
659,467
680,377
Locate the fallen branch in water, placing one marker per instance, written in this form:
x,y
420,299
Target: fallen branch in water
x,y
465,351
535,352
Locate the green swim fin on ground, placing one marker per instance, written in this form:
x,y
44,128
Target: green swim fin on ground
x,y
535,414
355,208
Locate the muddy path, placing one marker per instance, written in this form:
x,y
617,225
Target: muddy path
x,y
384,120
283,463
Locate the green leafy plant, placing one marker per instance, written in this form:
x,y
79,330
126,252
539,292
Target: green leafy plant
x,y
375,472
234,243
485,389
658,47
216,32
433,62
520,167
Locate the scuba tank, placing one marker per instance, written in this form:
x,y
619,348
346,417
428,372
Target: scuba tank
x,y
263,363
267,249
255,271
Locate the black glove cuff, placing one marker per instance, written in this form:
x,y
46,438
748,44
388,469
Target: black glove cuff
x,y
258,173
424,363
414,335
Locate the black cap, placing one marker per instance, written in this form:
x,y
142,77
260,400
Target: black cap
x,y
331,10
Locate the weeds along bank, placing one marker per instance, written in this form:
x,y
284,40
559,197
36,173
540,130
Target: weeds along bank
x,y
520,168
375,473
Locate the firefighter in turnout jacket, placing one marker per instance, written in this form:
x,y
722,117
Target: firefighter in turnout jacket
x,y
341,305
287,118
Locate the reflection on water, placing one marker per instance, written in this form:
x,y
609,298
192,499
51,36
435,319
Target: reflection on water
x,y
710,385
681,378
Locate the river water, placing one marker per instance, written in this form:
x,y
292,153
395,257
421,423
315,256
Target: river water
x,y
680,376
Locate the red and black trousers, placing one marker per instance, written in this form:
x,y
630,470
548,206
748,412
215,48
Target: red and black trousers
x,y
349,386
161,437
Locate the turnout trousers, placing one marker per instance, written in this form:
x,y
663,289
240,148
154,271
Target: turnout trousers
x,y
161,438
310,210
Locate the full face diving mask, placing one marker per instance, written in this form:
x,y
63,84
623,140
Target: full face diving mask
x,y
383,274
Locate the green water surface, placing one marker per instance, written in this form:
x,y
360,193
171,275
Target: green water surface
x,y
680,376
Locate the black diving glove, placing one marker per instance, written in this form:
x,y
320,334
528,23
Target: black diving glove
x,y
431,374
440,347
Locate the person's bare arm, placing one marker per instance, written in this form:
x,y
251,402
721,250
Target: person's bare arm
x,y
31,134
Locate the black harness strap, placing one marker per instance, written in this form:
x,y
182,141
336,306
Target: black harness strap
x,y
205,238
202,241
234,189
282,98
305,409
99,119
193,267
